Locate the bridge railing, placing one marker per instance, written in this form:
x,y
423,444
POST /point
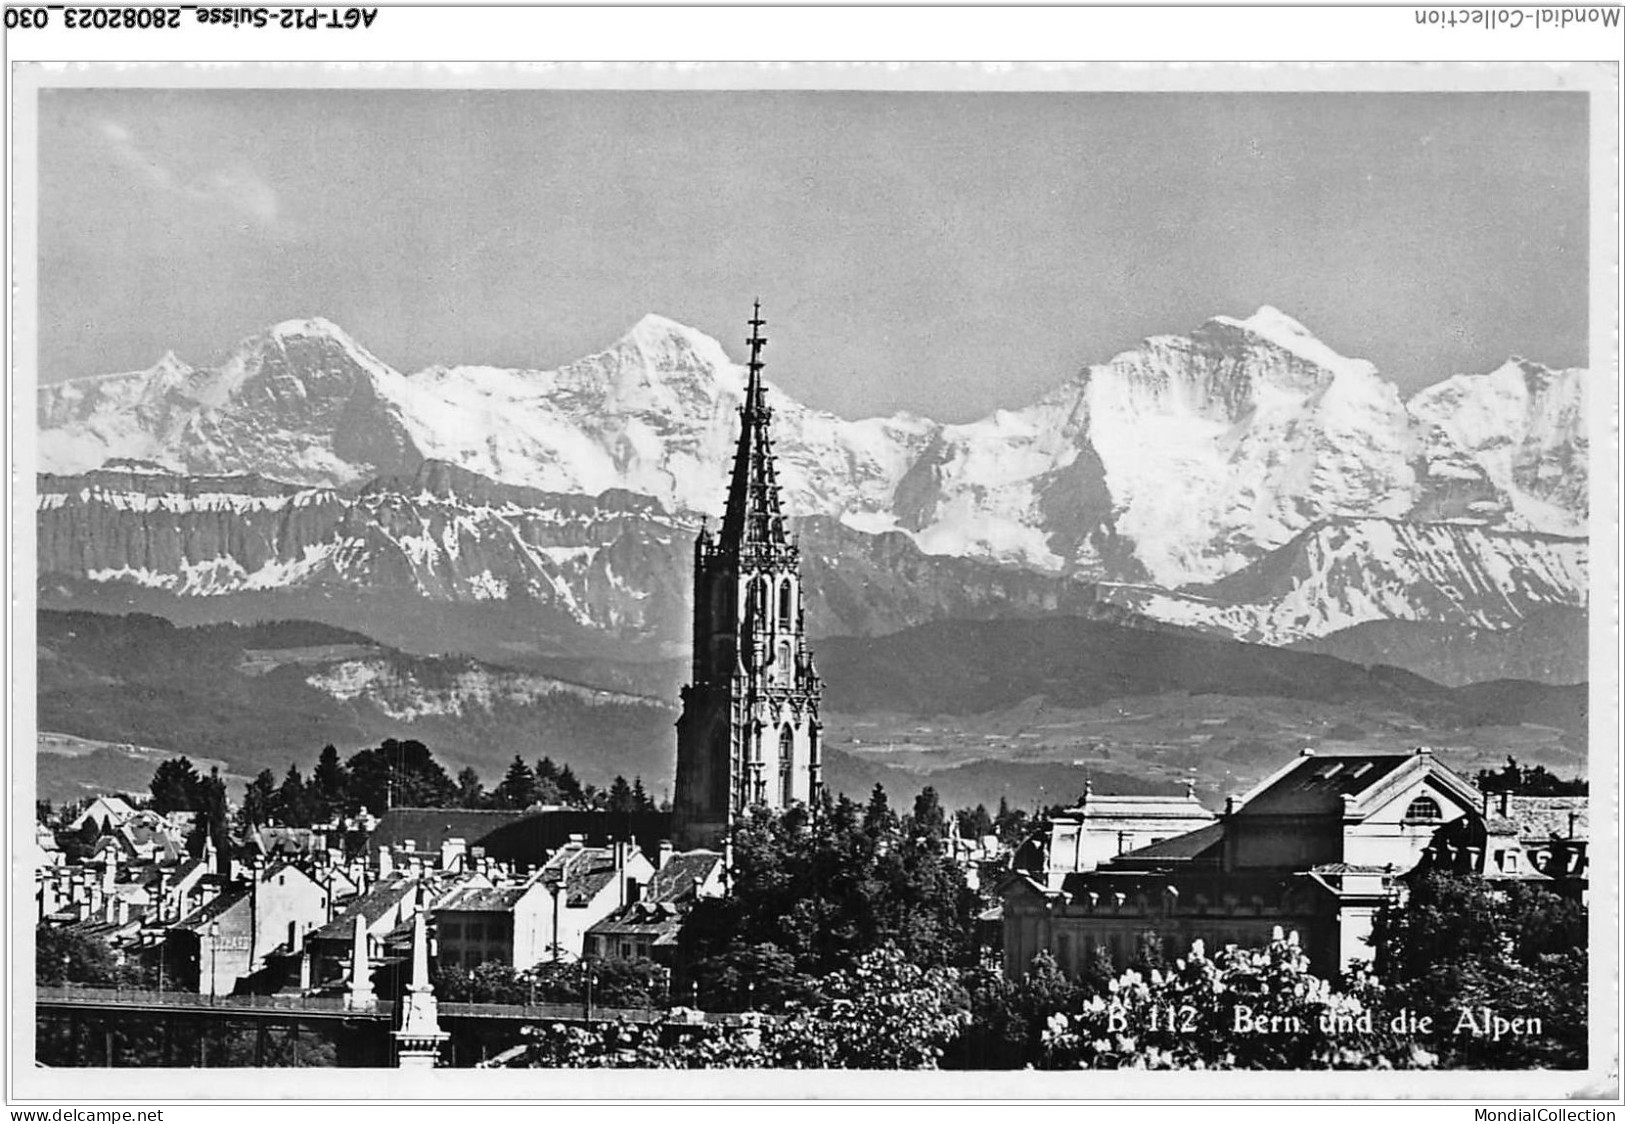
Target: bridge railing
x,y
135,997
334,1004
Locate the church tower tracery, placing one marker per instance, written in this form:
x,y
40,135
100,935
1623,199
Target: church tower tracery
x,y
749,731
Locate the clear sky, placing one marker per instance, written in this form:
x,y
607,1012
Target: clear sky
x,y
942,253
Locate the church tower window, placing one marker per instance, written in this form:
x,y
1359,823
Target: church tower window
x,y
787,765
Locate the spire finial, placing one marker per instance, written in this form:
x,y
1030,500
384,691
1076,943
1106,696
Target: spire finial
x,y
756,342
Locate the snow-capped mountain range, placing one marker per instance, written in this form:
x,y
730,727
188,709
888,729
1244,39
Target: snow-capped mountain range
x,y
1244,479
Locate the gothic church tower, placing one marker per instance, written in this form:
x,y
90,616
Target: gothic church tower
x,y
749,732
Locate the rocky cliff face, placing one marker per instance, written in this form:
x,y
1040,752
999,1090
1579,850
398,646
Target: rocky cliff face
x,y
614,565
1341,574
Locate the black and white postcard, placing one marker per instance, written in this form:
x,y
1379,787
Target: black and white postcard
x,y
1035,574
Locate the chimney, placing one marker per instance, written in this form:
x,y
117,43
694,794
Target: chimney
x,y
1505,796
666,851
386,863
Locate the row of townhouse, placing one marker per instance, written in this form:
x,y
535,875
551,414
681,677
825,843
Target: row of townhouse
x,y
290,913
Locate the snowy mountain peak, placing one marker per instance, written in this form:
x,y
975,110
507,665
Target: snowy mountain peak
x,y
668,346
1273,326
301,346
317,327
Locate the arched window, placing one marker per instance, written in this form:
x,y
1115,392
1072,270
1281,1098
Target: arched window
x,y
787,753
784,662
762,600
1424,808
785,595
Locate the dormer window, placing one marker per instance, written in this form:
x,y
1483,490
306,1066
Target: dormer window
x,y
1424,808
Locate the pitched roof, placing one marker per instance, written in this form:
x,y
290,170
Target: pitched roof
x,y
1103,807
1543,817
213,908
660,920
372,905
1317,783
482,899
675,880
582,871
1201,843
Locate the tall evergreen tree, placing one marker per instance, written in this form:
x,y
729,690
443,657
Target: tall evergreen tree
x,y
293,801
211,808
620,798
928,818
329,783
878,818
259,799
174,786
518,787
570,789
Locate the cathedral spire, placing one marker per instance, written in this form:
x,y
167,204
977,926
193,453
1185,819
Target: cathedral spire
x,y
749,733
754,516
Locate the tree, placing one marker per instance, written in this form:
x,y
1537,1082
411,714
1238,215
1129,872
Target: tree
x,y
881,1012
974,822
64,956
1536,781
878,818
329,783
620,800
174,786
1461,944
518,787
78,846
1008,1018
822,890
641,801
884,1012
928,819
212,814
547,783
259,799
397,774
1212,1013
470,792
570,788
293,801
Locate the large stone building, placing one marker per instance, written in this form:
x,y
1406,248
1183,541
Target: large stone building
x,y
1316,848
749,731
1102,827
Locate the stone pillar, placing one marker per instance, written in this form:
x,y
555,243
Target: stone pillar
x,y
358,994
418,1038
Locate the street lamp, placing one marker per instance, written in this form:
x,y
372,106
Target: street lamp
x,y
214,947
555,889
